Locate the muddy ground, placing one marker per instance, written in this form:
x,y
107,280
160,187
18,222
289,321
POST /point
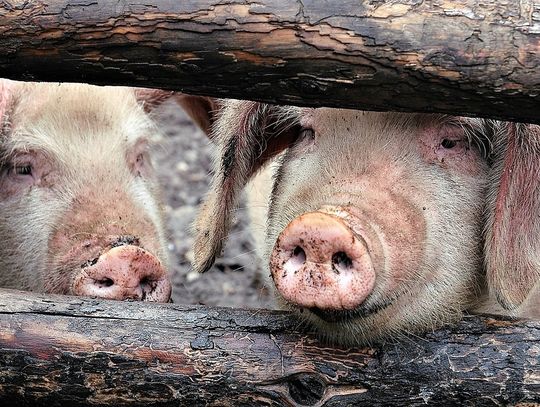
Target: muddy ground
x,y
182,158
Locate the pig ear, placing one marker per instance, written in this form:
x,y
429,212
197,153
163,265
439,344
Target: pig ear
x,y
152,98
513,215
201,109
248,134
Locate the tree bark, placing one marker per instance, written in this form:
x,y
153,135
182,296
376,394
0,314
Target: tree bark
x,y
59,350
458,57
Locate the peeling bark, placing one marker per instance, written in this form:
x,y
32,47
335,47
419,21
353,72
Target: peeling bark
x,y
59,350
458,57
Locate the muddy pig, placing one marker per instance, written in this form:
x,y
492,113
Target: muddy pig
x,y
375,221
78,195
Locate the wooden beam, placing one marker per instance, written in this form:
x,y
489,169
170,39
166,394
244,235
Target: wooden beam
x,y
59,350
458,57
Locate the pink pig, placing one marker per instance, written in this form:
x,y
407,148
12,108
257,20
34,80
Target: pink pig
x,y
375,222
78,195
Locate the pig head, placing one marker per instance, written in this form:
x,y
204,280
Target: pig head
x,y
78,196
375,221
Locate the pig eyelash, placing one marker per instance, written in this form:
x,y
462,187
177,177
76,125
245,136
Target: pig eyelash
x,y
479,133
23,169
18,170
19,163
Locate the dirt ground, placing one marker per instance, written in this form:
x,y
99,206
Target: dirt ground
x,y
182,159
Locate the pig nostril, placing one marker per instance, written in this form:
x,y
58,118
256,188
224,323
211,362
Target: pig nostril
x,y
147,284
296,261
104,282
298,256
299,252
341,262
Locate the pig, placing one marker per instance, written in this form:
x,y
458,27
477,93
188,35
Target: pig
x,y
375,222
80,204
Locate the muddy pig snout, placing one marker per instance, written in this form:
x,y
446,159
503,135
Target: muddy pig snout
x,y
124,272
318,261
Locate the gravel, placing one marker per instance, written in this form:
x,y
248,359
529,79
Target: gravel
x,y
183,159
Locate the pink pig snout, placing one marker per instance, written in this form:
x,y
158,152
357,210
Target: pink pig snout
x,y
124,272
319,262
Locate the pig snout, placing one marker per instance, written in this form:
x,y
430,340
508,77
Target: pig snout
x,y
319,262
124,272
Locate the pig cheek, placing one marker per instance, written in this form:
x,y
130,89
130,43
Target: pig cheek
x,y
68,258
9,189
465,161
12,186
67,255
402,228
407,253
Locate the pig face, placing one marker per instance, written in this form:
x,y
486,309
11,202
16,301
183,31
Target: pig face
x,y
78,196
374,219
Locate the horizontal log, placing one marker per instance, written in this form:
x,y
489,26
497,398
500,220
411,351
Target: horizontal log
x,y
458,57
59,350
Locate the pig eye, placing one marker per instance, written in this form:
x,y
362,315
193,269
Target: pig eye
x,y
23,169
447,143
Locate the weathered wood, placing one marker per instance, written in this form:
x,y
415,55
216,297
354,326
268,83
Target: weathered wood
x,y
459,56
57,350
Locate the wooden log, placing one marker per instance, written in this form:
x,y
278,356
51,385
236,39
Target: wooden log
x,y
59,350
458,57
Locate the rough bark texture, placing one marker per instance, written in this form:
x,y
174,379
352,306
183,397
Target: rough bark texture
x,y
57,350
459,56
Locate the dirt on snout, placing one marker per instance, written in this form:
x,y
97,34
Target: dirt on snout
x,y
183,160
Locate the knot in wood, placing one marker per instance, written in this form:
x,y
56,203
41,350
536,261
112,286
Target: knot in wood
x,y
306,389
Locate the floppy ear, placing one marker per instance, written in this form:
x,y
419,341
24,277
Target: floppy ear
x,y
201,109
248,134
152,98
512,241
